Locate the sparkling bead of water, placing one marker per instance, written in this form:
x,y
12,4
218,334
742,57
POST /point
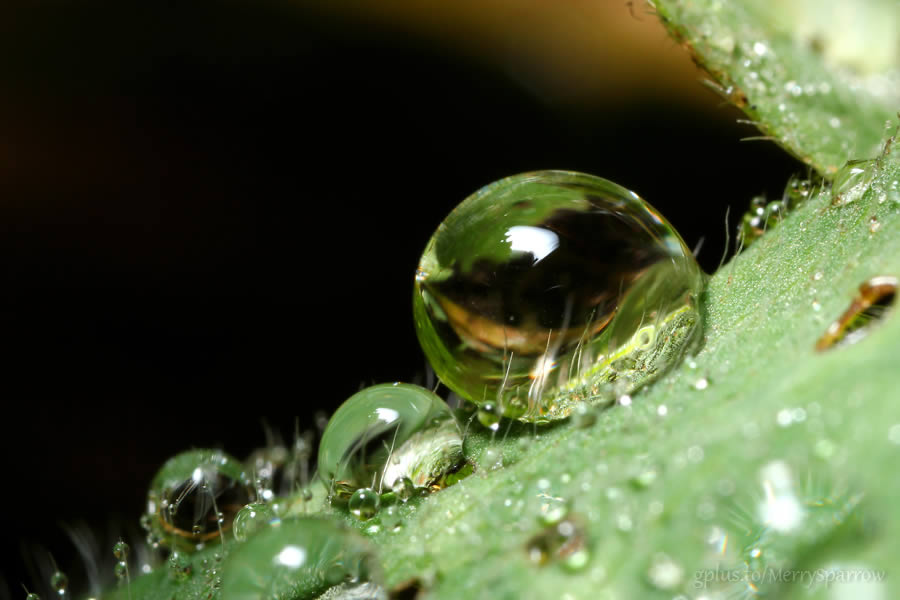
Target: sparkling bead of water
x,y
385,433
194,497
363,504
540,290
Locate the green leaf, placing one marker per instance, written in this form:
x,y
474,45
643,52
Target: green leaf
x,y
820,78
758,466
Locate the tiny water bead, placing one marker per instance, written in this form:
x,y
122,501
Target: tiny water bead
x,y
59,582
364,504
298,559
251,519
194,497
547,289
386,433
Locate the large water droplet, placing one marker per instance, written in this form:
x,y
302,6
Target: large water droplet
x,y
300,559
190,492
251,519
385,433
541,290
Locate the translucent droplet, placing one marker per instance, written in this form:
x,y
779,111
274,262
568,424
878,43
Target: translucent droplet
x,y
553,510
121,550
562,542
251,519
664,573
540,290
489,416
851,181
190,491
386,432
403,488
391,518
121,571
59,582
584,416
32,596
300,559
364,504
180,566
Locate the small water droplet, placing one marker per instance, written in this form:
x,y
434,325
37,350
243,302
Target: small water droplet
x,y
519,299
874,224
894,434
701,384
624,400
189,489
664,573
391,518
59,582
562,542
121,571
662,410
851,181
364,504
301,558
553,510
32,596
121,550
491,459
250,519
489,416
180,566
584,416
387,432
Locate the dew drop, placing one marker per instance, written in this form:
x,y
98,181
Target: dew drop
x,y
851,181
180,566
874,224
562,542
540,290
491,459
489,416
584,416
403,488
387,432
553,510
664,573
189,493
59,582
701,384
32,596
364,504
121,550
121,571
391,518
251,519
301,559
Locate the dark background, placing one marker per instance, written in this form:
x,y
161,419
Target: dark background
x,y
212,214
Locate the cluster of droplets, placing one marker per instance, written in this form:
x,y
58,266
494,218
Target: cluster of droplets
x,y
492,336
764,214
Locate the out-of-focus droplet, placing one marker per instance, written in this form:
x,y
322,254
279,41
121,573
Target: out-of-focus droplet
x,y
301,559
